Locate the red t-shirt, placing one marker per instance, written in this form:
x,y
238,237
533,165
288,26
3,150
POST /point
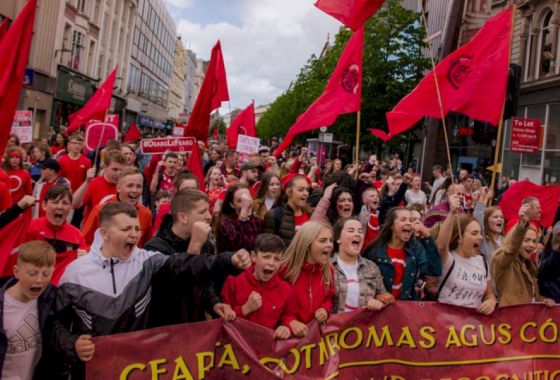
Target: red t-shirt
x,y
398,257
97,191
74,170
166,183
299,220
372,229
20,183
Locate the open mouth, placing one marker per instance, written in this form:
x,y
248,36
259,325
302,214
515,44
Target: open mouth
x,y
356,243
133,197
59,216
407,232
36,289
268,272
347,210
129,246
477,248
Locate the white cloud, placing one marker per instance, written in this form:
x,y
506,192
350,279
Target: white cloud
x,y
181,4
264,52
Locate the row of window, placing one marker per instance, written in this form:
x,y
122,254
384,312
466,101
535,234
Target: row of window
x,y
152,19
152,90
152,52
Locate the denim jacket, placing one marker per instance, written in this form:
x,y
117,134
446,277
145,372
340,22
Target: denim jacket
x,y
421,259
369,278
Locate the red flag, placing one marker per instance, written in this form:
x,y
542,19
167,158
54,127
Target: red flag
x,y
472,80
194,163
342,95
96,107
62,261
548,196
132,134
216,132
352,13
212,93
244,124
14,50
4,28
11,237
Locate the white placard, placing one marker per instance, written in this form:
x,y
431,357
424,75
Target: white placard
x,y
247,144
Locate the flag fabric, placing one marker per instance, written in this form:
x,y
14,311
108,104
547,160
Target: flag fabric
x,y
342,94
244,124
212,93
194,163
548,196
14,50
96,107
62,261
472,81
132,134
11,237
352,13
4,28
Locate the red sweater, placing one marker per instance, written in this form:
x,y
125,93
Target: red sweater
x,y
63,238
275,293
310,293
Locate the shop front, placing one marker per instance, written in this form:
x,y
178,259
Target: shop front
x,y
72,91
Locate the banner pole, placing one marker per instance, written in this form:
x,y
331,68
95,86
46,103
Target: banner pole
x,y
440,103
358,122
498,147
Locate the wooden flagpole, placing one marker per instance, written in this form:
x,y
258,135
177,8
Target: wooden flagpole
x,y
358,122
501,125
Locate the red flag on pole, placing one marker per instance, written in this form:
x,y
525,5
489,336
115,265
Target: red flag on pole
x,y
352,13
212,93
14,50
132,134
194,163
11,237
96,107
4,28
548,196
244,124
342,95
472,80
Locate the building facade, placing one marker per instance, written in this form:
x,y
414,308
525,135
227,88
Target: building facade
x,y
190,82
151,66
76,44
177,87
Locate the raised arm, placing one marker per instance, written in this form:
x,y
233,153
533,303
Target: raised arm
x,y
446,229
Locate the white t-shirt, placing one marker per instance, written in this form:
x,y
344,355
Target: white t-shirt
x,y
352,285
21,323
412,197
466,285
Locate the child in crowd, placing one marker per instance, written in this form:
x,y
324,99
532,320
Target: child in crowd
x,y
259,294
25,303
308,269
368,215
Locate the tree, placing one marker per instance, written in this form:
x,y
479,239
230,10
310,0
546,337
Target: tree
x,y
393,65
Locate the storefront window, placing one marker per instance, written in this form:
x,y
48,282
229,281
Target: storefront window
x,y
553,131
511,164
551,168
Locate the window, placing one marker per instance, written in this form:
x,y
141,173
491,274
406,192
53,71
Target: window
x,y
81,5
546,54
133,79
553,130
77,46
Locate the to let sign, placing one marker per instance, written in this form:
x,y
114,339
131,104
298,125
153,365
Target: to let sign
x,y
525,135
181,144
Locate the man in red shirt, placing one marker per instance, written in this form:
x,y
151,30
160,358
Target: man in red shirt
x,y
163,181
250,177
534,215
97,189
74,165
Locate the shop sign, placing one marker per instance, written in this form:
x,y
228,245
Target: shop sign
x,y
22,127
73,88
525,135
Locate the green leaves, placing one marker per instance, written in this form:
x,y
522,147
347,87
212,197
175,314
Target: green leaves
x,y
393,65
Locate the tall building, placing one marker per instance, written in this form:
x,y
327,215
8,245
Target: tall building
x,y
151,66
177,88
76,44
190,77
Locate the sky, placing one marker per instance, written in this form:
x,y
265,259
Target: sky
x,y
265,42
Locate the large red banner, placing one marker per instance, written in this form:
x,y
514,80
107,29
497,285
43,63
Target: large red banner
x,y
407,340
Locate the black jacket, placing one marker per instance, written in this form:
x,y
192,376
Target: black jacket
x,y
549,274
48,367
170,305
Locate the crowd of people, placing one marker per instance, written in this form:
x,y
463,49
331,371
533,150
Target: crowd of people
x,y
279,242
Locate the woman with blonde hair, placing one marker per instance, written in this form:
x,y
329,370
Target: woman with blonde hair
x,y
214,186
307,267
269,195
491,219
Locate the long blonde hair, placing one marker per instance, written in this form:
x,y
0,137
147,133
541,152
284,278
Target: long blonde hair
x,y
296,253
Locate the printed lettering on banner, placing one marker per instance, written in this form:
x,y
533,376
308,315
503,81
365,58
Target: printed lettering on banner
x,y
248,144
178,144
525,135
